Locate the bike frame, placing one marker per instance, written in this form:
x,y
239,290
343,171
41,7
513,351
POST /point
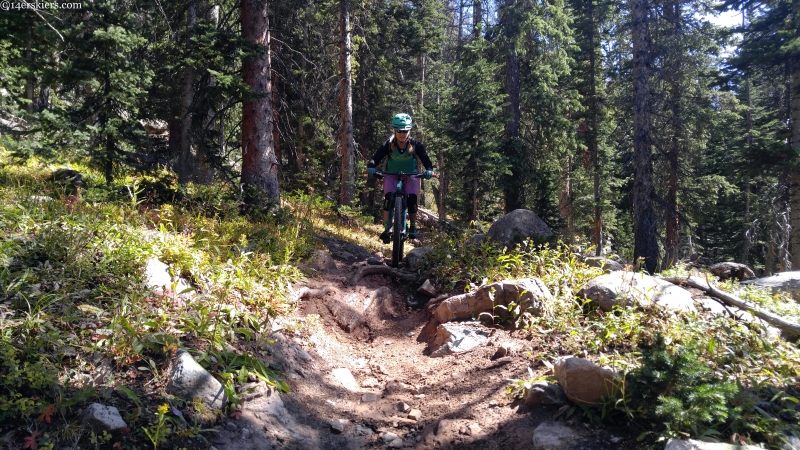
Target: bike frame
x,y
397,247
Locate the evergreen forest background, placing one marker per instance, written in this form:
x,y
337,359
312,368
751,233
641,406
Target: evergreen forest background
x,y
636,127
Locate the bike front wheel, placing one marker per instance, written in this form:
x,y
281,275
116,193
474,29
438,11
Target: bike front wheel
x,y
397,232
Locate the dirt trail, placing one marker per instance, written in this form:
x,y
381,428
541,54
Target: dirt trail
x,y
456,401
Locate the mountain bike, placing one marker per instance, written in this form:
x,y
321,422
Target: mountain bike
x,y
397,214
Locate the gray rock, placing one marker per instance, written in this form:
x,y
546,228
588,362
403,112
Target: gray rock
x,y
458,338
323,261
389,437
427,289
555,436
414,414
543,393
608,265
402,407
691,444
728,270
337,426
397,443
345,378
103,418
515,227
351,311
375,261
158,277
476,240
250,391
788,282
631,289
370,397
246,433
189,380
414,257
793,444
530,294
584,382
344,250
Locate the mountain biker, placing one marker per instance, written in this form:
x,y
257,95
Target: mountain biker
x,y
402,152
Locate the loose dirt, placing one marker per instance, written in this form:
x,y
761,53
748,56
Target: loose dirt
x,y
452,402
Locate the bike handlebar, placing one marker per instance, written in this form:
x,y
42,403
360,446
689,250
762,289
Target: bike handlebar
x,y
380,174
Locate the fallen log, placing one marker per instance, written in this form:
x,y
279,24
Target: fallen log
x,y
382,270
772,319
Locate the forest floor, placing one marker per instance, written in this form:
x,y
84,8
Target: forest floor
x,y
456,401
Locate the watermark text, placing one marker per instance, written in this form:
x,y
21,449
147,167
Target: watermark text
x,y
20,6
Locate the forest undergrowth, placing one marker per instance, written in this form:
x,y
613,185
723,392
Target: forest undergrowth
x,y
73,295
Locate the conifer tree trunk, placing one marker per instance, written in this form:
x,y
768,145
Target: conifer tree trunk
x,y
672,74
186,161
644,227
259,166
746,238
597,228
513,187
477,17
346,107
794,186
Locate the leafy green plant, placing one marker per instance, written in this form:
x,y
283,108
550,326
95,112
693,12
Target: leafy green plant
x,y
159,430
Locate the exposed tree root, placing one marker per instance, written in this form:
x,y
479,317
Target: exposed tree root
x,y
382,270
772,319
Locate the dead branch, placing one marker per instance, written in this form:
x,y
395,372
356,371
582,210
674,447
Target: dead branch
x,y
382,270
772,319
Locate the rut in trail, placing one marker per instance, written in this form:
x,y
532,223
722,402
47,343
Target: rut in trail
x,y
361,377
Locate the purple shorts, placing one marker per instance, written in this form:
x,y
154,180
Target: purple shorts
x,y
410,184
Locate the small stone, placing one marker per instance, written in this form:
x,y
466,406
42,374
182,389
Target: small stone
x,y
345,378
616,439
370,397
245,434
230,426
370,383
401,406
427,289
414,414
473,430
389,437
103,418
419,396
363,431
337,426
397,443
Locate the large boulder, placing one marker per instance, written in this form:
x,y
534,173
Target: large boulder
x,y
530,294
728,270
583,381
788,282
517,226
633,289
555,436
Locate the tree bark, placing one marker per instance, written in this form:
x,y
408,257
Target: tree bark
x,y
185,171
512,185
597,227
794,186
772,319
746,232
477,17
259,165
644,227
673,73
346,142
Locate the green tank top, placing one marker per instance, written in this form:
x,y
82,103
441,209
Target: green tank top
x,y
405,161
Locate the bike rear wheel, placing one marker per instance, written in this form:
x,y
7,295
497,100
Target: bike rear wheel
x,y
397,231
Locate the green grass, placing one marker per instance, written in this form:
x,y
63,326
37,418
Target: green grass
x,y
73,294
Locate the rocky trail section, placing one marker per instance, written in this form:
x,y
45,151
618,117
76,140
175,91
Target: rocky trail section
x,y
367,378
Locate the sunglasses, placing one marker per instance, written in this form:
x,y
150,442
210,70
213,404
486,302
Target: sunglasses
x,y
402,131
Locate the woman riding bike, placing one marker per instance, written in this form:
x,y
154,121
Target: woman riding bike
x,y
402,152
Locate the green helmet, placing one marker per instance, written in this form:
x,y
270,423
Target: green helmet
x,y
402,122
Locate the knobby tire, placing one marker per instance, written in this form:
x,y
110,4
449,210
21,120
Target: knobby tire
x,y
397,231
